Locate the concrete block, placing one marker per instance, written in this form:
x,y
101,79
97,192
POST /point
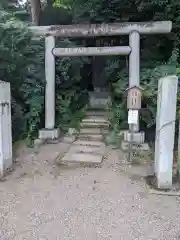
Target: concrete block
x,y
72,131
137,147
69,139
137,137
49,134
82,158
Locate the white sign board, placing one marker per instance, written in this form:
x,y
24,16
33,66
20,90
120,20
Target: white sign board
x,y
133,116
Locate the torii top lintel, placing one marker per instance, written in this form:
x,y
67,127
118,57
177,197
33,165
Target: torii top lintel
x,y
111,29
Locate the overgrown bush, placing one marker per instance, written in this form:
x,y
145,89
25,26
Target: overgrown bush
x,y
18,65
149,77
70,96
22,64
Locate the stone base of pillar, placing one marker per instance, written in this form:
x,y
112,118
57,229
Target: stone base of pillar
x,y
49,134
137,147
69,139
137,137
6,166
164,180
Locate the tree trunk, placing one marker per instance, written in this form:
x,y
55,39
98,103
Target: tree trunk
x,y
35,11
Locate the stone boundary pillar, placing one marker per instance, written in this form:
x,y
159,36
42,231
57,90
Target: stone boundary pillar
x,y
165,130
5,128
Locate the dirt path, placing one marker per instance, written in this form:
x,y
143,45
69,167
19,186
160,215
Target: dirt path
x,y
41,200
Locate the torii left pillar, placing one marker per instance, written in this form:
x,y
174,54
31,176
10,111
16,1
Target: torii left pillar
x,y
49,132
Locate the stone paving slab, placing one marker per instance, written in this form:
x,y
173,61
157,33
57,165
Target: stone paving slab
x,y
87,149
94,131
89,143
95,120
69,139
82,158
94,125
96,113
90,131
91,137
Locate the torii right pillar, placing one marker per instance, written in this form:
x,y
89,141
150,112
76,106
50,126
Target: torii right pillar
x,y
134,80
134,64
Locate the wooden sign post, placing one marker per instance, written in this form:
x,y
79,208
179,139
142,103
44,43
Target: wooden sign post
x,y
134,95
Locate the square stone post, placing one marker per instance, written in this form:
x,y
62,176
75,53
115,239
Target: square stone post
x,y
49,132
5,128
178,160
165,130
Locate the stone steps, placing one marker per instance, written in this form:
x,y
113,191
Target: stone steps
x,y
89,147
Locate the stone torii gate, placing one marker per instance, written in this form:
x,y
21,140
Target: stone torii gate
x,y
134,30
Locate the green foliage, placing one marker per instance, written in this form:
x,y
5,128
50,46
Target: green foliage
x,y
159,54
63,4
71,98
18,65
149,81
22,61
22,64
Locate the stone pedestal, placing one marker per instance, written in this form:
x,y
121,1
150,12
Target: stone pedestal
x,y
138,139
136,147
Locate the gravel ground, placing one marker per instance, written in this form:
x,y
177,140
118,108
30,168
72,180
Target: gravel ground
x,y
41,200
